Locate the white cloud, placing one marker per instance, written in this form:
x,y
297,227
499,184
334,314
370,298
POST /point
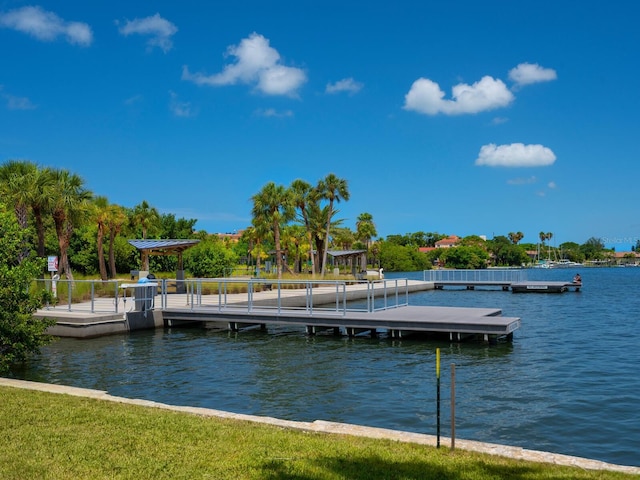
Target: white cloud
x,y
528,73
426,97
159,29
499,120
515,155
179,108
552,185
272,112
46,26
133,100
522,181
345,85
258,64
16,103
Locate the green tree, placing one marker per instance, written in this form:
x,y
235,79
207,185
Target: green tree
x,y
20,333
100,213
145,218
69,206
343,238
333,189
366,229
464,257
507,253
15,188
180,228
515,237
401,258
302,196
209,259
273,205
115,221
593,249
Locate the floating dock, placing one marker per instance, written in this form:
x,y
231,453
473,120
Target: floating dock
x,y
545,287
505,279
454,323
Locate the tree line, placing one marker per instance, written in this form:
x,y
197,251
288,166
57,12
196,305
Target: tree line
x,y
59,215
296,225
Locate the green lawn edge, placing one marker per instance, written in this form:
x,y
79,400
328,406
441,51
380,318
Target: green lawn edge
x,y
57,436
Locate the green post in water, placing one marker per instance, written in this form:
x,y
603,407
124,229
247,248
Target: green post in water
x,y
438,397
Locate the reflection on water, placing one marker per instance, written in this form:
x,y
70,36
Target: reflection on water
x,y
568,383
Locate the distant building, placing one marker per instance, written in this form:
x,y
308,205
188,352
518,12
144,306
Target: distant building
x,y
233,237
450,241
626,258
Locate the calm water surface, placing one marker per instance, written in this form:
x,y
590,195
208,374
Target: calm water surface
x,y
569,383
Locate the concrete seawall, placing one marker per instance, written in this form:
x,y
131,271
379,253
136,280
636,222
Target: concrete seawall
x,y
322,426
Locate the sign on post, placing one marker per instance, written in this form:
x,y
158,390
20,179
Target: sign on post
x,y
52,263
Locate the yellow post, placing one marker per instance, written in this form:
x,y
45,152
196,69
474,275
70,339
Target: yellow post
x,y
438,397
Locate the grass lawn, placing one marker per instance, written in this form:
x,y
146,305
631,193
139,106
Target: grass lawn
x,y
46,435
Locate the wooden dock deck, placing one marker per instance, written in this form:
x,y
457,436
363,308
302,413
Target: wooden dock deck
x,y
455,323
505,279
515,287
544,287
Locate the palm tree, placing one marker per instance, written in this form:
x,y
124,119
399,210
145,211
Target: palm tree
x,y
273,205
41,193
28,186
116,219
515,237
14,184
255,235
333,189
301,195
365,229
317,216
147,217
69,205
100,213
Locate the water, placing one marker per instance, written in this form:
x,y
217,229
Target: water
x,y
569,383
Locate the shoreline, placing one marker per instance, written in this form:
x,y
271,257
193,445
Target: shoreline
x,y
322,426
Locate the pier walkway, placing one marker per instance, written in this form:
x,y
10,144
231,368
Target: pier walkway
x,y
344,308
505,279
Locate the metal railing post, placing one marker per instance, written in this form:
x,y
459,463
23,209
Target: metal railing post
x,y
93,291
68,295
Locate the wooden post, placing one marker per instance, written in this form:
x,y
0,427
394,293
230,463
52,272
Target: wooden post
x,y
438,397
453,406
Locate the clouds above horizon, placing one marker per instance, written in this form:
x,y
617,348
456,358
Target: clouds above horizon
x,y
529,73
46,26
157,28
257,64
515,155
425,96
348,85
16,103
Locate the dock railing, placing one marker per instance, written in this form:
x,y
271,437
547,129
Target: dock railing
x,y
306,296
249,294
486,275
94,296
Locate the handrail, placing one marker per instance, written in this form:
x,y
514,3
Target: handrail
x,y
308,296
506,275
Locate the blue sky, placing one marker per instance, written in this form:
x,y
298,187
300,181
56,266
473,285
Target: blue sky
x,y
461,118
